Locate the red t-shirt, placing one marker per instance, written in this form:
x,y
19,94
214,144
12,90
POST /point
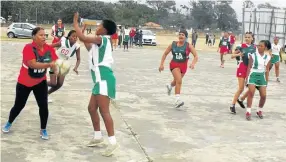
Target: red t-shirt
x,y
28,54
114,36
232,39
132,33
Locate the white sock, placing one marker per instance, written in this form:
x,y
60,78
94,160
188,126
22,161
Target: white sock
x,y
248,110
177,97
97,135
112,140
259,109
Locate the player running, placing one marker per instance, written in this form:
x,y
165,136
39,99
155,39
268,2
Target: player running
x,y
224,47
101,60
242,54
68,47
275,60
178,65
58,31
257,77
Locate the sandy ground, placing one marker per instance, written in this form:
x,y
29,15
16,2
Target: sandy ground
x,y
147,126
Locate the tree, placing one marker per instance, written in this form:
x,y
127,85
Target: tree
x,y
227,18
248,4
267,5
202,13
162,8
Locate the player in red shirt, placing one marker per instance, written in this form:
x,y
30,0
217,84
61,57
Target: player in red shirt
x,y
58,31
231,41
132,34
178,66
37,57
224,47
114,39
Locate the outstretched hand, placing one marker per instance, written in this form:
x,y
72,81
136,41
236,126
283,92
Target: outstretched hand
x,y
75,18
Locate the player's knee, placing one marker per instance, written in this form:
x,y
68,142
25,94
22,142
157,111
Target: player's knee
x,y
250,94
263,97
91,109
178,81
240,89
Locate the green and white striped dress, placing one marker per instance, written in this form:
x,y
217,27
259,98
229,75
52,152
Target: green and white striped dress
x,y
100,62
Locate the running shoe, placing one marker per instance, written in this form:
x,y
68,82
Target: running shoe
x,y
44,134
278,80
169,89
241,104
248,116
232,109
7,127
259,114
110,150
95,142
50,100
179,103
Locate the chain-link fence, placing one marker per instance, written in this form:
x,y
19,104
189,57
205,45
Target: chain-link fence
x,y
265,23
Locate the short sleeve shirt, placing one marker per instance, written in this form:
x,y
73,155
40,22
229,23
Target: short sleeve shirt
x,y
54,29
24,78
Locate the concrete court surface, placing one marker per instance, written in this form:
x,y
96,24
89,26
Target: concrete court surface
x,y
147,126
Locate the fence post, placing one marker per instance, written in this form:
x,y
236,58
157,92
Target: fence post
x,y
284,29
254,25
243,25
271,21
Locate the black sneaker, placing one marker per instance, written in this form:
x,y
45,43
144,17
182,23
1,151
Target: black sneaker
x,y
232,109
241,104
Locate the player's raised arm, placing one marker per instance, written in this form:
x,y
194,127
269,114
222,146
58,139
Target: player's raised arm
x,y
87,45
81,36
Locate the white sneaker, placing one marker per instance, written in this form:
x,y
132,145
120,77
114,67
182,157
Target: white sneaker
x,y
110,150
169,89
179,104
95,142
50,100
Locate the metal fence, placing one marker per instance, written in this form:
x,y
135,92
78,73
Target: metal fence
x,y
265,23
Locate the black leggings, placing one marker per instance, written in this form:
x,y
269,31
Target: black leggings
x,y
41,94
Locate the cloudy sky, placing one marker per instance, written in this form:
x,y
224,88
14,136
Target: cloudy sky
x,y
236,4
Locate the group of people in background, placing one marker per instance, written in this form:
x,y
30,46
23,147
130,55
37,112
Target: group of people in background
x,y
128,37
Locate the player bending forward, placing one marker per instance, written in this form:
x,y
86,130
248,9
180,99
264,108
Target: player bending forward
x,y
67,49
100,61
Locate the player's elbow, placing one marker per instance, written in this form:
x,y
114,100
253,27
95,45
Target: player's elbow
x,y
32,64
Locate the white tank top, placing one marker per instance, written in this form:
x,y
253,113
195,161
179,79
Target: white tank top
x,y
276,49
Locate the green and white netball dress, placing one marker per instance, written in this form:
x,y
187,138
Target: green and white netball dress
x,y
258,69
275,53
65,52
100,62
